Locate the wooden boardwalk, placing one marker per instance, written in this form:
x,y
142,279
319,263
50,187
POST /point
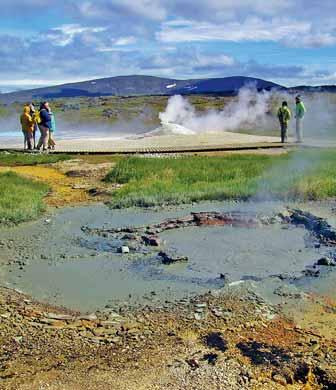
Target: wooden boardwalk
x,y
165,150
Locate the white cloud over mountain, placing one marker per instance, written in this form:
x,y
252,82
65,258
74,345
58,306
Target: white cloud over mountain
x,y
284,40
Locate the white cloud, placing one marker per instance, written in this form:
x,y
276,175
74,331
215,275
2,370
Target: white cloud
x,y
111,37
121,44
159,10
217,60
312,40
65,34
39,82
124,41
147,9
252,29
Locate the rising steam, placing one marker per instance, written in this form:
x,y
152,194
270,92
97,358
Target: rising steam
x,y
249,109
252,111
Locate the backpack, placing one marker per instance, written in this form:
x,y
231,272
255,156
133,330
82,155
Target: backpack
x,y
37,117
281,115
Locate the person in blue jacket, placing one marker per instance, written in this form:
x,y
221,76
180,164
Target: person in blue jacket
x,y
44,125
51,141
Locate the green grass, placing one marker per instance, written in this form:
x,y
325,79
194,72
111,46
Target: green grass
x,y
16,159
20,199
306,175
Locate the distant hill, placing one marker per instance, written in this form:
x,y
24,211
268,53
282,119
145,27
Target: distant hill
x,y
150,85
226,85
319,88
140,85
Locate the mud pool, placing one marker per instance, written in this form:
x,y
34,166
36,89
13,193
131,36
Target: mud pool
x,y
55,261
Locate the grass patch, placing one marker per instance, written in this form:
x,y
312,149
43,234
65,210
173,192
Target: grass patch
x,y
21,199
306,175
18,159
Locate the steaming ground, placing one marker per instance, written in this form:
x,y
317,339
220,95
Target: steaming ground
x,y
254,111
251,113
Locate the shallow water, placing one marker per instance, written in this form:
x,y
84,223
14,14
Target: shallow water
x,y
243,252
61,270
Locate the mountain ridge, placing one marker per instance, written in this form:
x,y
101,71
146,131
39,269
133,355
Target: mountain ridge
x,y
141,85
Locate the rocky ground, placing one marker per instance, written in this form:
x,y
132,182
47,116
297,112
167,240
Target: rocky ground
x,y
230,341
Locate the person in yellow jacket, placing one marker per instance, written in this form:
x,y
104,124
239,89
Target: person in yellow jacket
x,y
284,116
27,123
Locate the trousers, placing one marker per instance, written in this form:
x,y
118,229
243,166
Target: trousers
x,y
299,129
43,141
284,131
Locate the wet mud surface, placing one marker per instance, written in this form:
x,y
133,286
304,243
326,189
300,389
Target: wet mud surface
x,y
72,257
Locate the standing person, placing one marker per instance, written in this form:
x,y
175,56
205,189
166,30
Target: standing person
x,y
284,116
51,141
44,125
27,123
300,110
33,113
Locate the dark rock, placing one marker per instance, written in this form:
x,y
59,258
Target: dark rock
x,y
98,192
283,276
78,173
223,276
131,237
318,226
327,261
172,258
215,340
211,358
302,372
151,240
326,377
312,272
193,363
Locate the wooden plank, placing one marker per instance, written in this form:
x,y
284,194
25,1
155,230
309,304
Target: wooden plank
x,y
165,149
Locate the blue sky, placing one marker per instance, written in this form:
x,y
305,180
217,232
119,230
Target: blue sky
x,y
45,42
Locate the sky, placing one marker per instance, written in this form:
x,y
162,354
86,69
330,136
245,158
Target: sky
x,y
48,42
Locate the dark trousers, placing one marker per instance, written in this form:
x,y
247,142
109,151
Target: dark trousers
x,y
34,135
284,130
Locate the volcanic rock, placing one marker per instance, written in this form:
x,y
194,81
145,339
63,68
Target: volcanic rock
x,y
151,240
327,261
311,272
172,258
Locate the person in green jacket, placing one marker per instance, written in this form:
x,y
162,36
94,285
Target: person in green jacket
x,y
300,111
284,116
